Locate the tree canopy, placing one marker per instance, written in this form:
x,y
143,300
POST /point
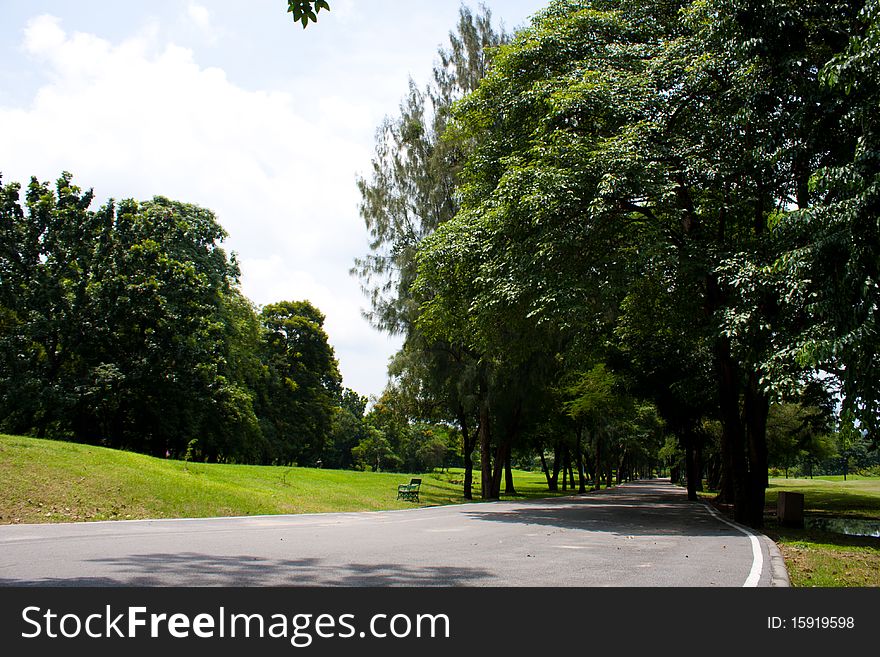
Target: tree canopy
x,y
125,326
673,190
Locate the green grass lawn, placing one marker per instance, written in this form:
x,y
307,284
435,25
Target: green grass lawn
x,y
857,497
53,481
817,558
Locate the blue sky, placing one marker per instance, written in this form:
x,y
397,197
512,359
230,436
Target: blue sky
x,y
228,104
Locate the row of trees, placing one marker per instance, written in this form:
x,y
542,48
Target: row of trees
x,y
536,401
125,326
634,212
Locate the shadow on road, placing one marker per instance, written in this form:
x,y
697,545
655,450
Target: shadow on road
x,y
636,509
193,569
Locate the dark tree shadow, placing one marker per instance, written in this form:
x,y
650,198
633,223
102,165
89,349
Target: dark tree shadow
x,y
193,569
637,509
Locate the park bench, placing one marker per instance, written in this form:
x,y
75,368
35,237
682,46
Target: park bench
x,y
409,491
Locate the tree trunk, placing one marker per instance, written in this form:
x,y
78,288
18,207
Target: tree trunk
x,y
582,482
690,460
698,462
713,473
508,475
552,480
565,469
501,453
557,463
756,408
485,452
735,473
468,476
588,465
467,450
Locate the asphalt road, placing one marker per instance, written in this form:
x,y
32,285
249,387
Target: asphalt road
x,y
640,534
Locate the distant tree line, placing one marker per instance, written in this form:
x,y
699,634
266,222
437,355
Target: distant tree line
x,y
634,220
125,327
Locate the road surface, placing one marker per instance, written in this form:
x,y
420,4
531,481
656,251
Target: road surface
x,y
639,534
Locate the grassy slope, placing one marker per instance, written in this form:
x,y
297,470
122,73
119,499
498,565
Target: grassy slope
x,y
51,481
816,558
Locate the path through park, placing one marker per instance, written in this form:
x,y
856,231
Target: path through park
x,y
639,534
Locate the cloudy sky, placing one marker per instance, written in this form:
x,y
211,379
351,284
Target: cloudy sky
x,y
228,104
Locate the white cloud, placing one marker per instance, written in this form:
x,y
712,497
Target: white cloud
x,y
200,16
43,34
139,118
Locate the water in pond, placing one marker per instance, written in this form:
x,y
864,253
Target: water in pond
x,y
849,526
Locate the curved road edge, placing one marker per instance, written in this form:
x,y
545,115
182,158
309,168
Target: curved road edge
x,y
777,571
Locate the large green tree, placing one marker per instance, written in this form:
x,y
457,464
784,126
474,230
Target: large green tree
x,y
125,326
302,382
832,244
619,140
409,193
116,323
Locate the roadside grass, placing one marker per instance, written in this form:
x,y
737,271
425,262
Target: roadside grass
x,y
820,558
816,558
52,481
857,497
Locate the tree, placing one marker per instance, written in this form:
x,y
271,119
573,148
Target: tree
x,y
617,431
764,61
593,402
832,244
409,193
234,430
159,296
796,432
852,446
662,345
306,10
348,427
45,258
617,138
125,326
302,382
374,452
414,173
115,323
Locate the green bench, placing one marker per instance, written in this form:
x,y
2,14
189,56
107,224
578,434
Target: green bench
x,y
409,491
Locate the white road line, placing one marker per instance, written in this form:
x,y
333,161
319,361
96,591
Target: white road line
x,y
757,555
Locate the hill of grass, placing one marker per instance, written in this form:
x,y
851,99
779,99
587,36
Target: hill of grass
x,y
53,481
